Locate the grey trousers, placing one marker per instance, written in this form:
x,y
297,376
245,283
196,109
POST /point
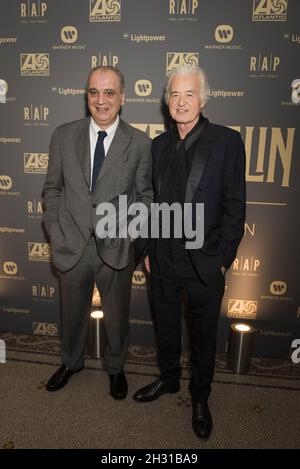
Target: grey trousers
x,y
76,297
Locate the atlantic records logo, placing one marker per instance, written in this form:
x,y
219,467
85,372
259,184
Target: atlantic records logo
x,y
5,183
224,33
3,91
143,87
69,34
179,59
36,163
10,268
39,252
296,91
105,10
269,10
243,309
35,64
44,328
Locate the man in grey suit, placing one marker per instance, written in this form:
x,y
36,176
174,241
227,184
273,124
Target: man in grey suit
x,y
93,161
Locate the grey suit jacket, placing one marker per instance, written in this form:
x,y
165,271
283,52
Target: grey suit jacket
x,y
70,207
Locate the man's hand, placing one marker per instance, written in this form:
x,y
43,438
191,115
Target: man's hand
x,y
147,264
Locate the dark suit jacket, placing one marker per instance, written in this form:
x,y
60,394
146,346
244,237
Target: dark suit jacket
x,y
217,179
70,208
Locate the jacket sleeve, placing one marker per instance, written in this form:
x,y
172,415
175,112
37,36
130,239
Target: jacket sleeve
x,y
53,184
233,200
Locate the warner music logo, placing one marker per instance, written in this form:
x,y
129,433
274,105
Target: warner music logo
x,y
39,252
143,37
269,10
264,66
178,59
69,36
36,115
6,184
104,59
43,292
44,328
139,280
183,10
278,290
33,11
10,271
243,309
223,36
33,65
34,208
36,163
105,11
246,266
143,89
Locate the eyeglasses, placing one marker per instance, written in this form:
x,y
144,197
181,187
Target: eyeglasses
x,y
94,93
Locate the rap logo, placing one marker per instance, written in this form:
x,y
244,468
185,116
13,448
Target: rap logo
x,y
5,183
33,9
69,34
138,278
182,7
143,87
296,353
10,268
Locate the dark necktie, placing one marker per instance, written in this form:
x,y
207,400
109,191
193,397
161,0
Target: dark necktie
x,y
99,156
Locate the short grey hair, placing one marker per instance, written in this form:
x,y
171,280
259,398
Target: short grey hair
x,y
190,70
105,68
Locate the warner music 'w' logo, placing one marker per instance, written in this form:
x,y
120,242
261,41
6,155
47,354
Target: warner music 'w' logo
x,y
143,87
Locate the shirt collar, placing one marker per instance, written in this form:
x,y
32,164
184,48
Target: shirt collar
x,y
110,129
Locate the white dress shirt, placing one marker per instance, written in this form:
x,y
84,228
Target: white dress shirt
x,y
94,129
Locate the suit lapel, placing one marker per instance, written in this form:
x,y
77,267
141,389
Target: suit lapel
x,y
197,169
83,150
117,149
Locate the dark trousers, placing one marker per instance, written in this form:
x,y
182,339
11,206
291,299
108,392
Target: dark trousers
x,y
204,303
77,287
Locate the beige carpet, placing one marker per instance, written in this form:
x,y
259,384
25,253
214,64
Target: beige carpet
x,y
259,410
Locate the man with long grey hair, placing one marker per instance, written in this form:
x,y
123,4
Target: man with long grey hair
x,y
194,162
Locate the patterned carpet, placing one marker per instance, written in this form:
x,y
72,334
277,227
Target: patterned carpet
x,y
257,410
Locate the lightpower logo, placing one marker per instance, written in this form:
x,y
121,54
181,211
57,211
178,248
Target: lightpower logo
x,y
179,59
105,11
269,10
33,65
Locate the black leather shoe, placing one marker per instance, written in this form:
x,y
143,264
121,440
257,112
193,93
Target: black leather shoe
x,y
152,391
202,420
60,378
118,385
